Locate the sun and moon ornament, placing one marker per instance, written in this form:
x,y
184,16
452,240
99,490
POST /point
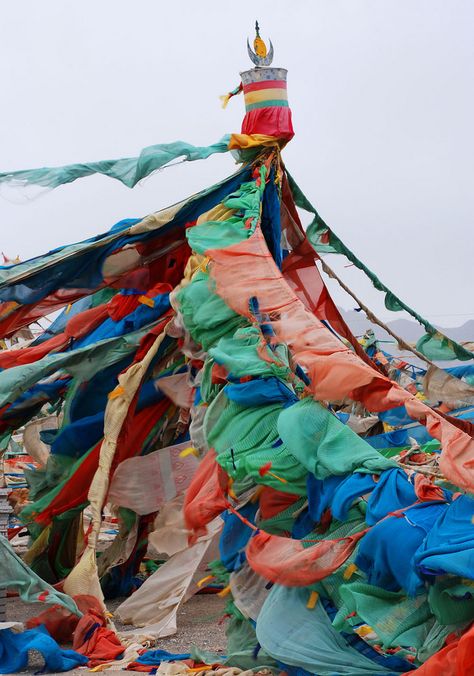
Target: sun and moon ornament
x,y
261,56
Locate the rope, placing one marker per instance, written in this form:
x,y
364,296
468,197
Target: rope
x,y
375,320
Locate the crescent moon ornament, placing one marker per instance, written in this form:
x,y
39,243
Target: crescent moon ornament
x,y
260,57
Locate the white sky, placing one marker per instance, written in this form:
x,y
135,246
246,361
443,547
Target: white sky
x,y
383,107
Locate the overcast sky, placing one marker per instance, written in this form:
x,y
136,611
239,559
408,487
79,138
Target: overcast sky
x,y
383,107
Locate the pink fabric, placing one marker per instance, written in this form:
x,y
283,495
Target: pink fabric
x,y
78,325
272,502
334,370
146,482
61,622
177,389
303,277
272,121
206,496
241,269
93,639
287,562
426,490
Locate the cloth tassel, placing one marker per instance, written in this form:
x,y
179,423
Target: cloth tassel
x,y
227,97
312,601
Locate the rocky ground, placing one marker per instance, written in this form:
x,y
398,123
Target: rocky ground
x,y
198,624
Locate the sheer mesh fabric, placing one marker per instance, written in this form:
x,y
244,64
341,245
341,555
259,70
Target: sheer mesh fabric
x,y
287,562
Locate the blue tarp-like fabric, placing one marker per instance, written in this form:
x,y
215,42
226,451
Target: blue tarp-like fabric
x,y
270,223
235,536
155,657
38,394
399,438
81,434
321,493
141,316
392,491
14,651
293,671
391,567
449,545
302,525
396,417
77,437
351,488
260,391
83,270
464,371
91,397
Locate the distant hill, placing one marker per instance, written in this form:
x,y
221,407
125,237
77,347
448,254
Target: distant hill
x,y
411,331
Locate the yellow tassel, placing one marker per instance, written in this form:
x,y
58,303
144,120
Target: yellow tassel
x,y
189,451
349,572
224,592
196,670
312,601
225,98
364,630
204,580
275,476
203,265
256,495
68,309
119,390
144,300
230,490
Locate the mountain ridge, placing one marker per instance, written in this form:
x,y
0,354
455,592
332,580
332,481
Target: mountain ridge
x,y
409,330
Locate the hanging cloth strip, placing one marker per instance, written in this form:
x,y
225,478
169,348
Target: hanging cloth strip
x,y
127,170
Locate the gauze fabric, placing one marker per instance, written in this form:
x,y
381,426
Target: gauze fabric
x,y
323,444
302,637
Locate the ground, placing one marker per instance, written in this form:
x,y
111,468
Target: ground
x,y
198,624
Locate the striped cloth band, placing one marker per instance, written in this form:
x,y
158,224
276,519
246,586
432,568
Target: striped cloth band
x,y
265,94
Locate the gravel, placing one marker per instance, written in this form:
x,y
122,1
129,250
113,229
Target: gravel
x,y
199,624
